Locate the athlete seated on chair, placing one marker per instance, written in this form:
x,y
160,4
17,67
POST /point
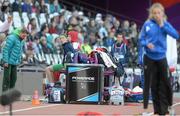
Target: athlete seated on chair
x,y
52,68
67,47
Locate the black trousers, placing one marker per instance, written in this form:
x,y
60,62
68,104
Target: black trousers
x,y
10,77
156,77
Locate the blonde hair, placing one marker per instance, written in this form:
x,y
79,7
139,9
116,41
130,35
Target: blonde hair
x,y
2,36
156,5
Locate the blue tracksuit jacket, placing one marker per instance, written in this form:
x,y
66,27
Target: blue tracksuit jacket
x,y
151,32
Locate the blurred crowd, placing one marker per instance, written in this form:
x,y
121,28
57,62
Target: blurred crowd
x,y
46,20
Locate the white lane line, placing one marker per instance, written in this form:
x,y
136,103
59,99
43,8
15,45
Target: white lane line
x,y
32,108
176,104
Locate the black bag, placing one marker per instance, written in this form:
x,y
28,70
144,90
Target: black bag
x,y
56,94
119,71
106,95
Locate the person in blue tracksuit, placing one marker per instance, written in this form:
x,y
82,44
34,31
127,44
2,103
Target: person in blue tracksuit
x,y
153,39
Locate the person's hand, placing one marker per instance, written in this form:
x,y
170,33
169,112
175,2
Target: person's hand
x,y
33,33
5,65
9,19
161,23
62,20
150,46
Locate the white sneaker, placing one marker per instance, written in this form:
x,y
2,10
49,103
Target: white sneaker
x,y
147,114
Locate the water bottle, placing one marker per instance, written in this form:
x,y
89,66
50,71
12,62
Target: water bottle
x,y
62,79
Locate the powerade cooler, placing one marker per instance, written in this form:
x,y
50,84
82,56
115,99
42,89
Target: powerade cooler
x,y
84,83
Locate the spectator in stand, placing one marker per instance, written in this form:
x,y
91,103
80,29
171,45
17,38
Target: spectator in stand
x,y
43,31
133,30
120,50
85,47
42,7
61,24
32,28
26,6
5,8
44,46
4,26
73,33
133,33
133,44
108,23
153,40
109,41
53,25
117,26
102,30
98,19
16,6
29,52
84,20
54,6
37,46
91,27
126,30
99,42
92,40
80,36
74,11
32,25
57,46
35,7
81,22
73,21
132,55
67,46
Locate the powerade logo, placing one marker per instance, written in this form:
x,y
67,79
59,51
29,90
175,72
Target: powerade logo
x,y
83,79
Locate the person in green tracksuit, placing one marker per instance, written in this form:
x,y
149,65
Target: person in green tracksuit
x,y
12,52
